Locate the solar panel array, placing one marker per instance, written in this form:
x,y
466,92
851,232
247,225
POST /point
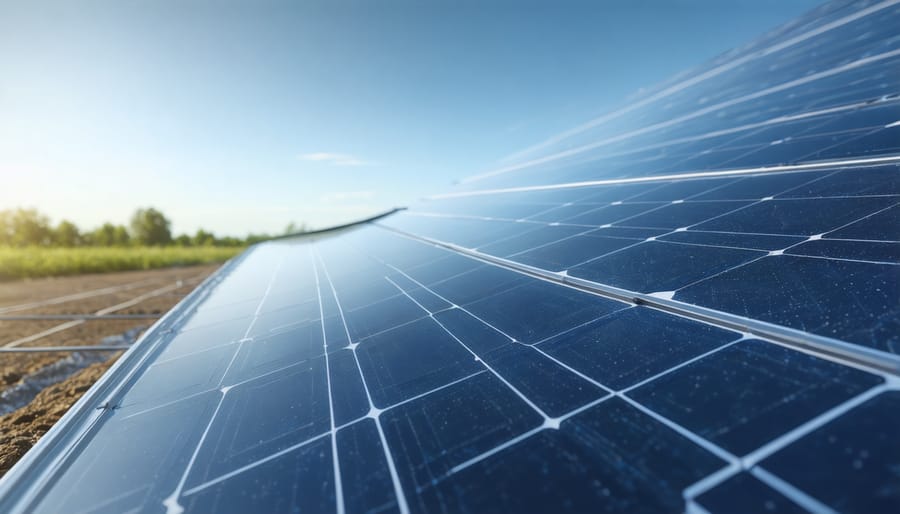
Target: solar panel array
x,y
688,304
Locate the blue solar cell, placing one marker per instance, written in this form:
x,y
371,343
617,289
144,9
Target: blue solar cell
x,y
874,251
466,232
787,130
395,249
332,324
240,311
358,290
850,464
262,417
420,295
793,150
677,215
381,316
639,233
335,331
173,380
627,347
275,351
617,193
112,461
365,470
657,266
570,252
474,333
341,265
537,310
299,481
540,236
610,458
680,190
205,338
879,226
852,301
610,214
880,180
482,282
805,217
272,319
707,159
730,239
760,186
565,212
412,359
348,392
875,117
552,388
749,393
430,436
876,142
745,494
442,269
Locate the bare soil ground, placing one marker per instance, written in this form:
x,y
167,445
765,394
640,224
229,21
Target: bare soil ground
x,y
21,429
159,290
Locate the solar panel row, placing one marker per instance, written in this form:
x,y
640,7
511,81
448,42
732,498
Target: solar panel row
x,y
815,250
690,304
462,380
814,103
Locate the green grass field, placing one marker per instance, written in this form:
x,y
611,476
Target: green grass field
x,y
33,262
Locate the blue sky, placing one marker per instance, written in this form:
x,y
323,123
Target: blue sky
x,y
244,116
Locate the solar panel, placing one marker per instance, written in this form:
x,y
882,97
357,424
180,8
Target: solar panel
x,y
689,304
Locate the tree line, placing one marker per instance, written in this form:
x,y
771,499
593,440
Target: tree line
x,y
147,227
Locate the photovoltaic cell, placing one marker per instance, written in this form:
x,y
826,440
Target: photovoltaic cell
x,y
749,393
872,251
430,436
797,217
684,214
567,253
630,346
108,462
768,242
373,319
543,235
758,187
860,447
848,300
348,391
480,283
275,351
656,266
520,312
551,387
609,458
264,417
745,494
689,304
301,481
361,445
878,226
412,359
